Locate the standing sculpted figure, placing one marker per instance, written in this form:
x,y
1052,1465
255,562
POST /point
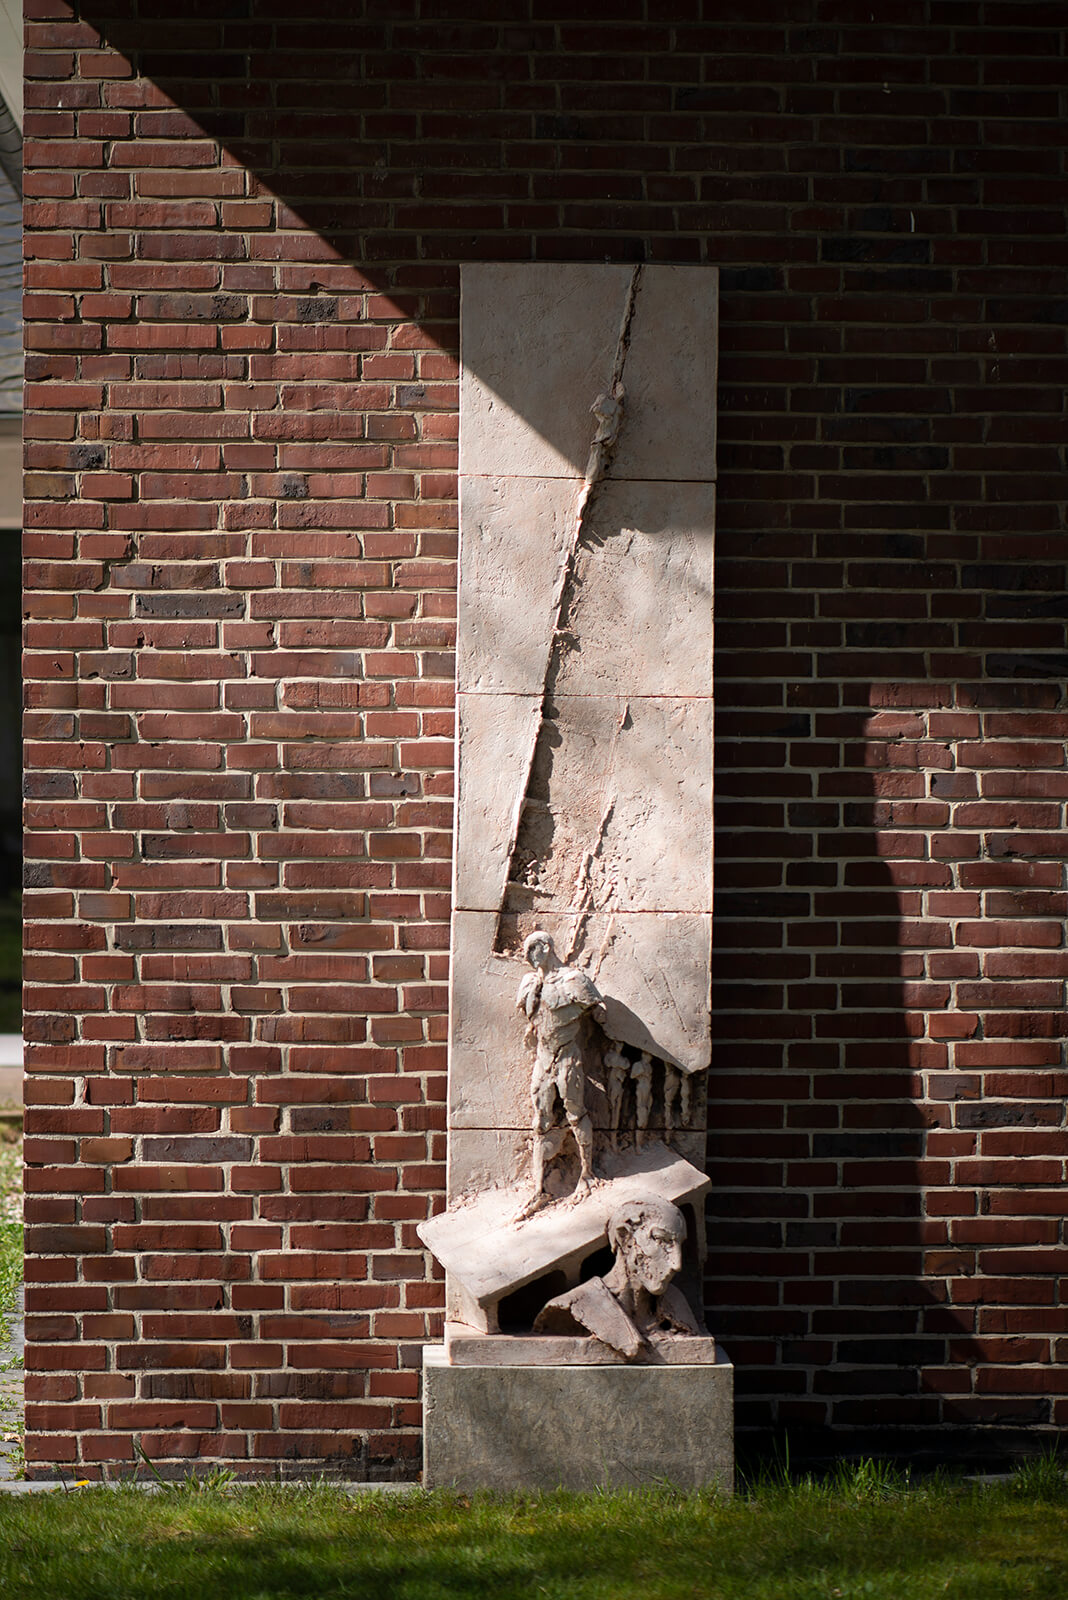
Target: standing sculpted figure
x,y
556,1001
617,1071
642,1073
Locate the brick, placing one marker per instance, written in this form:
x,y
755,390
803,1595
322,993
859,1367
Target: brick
x,y
241,580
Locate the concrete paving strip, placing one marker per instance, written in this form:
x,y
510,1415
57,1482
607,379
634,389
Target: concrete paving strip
x,y
10,1072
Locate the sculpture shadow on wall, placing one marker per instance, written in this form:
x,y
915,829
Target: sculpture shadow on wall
x,y
816,1137
868,1306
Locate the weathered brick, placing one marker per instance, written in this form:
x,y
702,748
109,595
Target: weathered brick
x,y
241,447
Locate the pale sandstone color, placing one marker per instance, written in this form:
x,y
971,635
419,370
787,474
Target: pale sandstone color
x,y
480,1242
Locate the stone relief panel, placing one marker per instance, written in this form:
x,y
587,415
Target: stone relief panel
x,y
581,956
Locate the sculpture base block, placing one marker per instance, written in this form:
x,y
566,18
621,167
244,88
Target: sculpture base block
x,y
467,1347
578,1427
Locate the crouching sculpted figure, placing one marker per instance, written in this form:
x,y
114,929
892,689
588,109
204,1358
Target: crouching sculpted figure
x,y
636,1307
558,1003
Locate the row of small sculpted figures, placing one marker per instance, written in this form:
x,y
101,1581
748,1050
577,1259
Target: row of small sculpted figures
x,y
565,1015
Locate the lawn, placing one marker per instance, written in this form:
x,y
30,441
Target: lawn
x,y
861,1536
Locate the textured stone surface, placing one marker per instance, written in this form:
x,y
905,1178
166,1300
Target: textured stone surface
x,y
643,613
627,816
480,1158
576,1427
495,735
669,428
652,971
585,673
525,391
642,610
514,532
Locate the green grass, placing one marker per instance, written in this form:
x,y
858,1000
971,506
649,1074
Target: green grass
x,y
862,1535
10,1263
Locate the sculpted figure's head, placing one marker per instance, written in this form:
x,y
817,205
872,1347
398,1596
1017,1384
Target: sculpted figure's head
x,y
647,1235
538,949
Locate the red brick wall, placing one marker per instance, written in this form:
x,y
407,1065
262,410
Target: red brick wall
x,y
242,237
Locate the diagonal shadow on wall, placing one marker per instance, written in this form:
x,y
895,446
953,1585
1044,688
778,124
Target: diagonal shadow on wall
x,y
408,148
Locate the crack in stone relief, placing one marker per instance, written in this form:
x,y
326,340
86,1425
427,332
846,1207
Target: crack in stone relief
x,y
533,811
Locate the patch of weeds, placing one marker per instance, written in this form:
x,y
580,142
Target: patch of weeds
x,y
10,1272
770,1476
11,1236
10,1179
858,1482
869,1480
217,1481
1044,1478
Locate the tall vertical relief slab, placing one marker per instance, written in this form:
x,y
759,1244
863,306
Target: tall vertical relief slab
x,y
582,923
584,672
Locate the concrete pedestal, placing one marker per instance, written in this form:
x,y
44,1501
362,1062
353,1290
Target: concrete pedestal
x,y
576,1427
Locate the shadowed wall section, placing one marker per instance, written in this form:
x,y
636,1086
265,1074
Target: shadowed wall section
x,y
243,235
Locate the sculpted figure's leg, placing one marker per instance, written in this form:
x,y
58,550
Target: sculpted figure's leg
x,y
571,1082
618,1069
642,1073
546,1137
671,1096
